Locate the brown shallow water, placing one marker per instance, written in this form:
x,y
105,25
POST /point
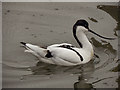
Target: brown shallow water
x,y
48,23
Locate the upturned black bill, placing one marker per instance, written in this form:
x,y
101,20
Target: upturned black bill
x,y
100,35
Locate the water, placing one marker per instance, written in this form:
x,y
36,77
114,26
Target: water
x,y
48,23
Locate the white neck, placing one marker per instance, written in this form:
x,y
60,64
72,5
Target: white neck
x,y
84,40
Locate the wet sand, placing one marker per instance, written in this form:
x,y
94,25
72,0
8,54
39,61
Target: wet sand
x,y
49,23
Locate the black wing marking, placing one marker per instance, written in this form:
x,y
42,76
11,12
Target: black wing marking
x,y
66,46
48,55
70,47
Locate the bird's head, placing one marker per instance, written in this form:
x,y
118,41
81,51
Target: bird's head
x,y
83,25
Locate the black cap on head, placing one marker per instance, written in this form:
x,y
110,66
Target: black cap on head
x,y
81,22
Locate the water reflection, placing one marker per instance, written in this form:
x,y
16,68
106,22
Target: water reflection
x,y
82,84
87,70
48,69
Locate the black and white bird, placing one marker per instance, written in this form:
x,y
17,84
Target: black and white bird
x,y
66,54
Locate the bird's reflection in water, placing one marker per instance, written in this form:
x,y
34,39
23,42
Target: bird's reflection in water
x,y
82,85
87,70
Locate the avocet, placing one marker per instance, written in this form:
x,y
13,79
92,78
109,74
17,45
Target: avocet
x,y
67,54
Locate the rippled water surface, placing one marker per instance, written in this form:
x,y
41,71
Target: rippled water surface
x,y
49,23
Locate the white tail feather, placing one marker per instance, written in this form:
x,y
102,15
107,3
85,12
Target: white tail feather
x,y
36,50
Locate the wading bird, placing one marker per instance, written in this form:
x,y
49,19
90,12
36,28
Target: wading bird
x,y
66,54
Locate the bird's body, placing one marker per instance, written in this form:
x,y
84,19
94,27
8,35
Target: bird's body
x,y
66,54
61,54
